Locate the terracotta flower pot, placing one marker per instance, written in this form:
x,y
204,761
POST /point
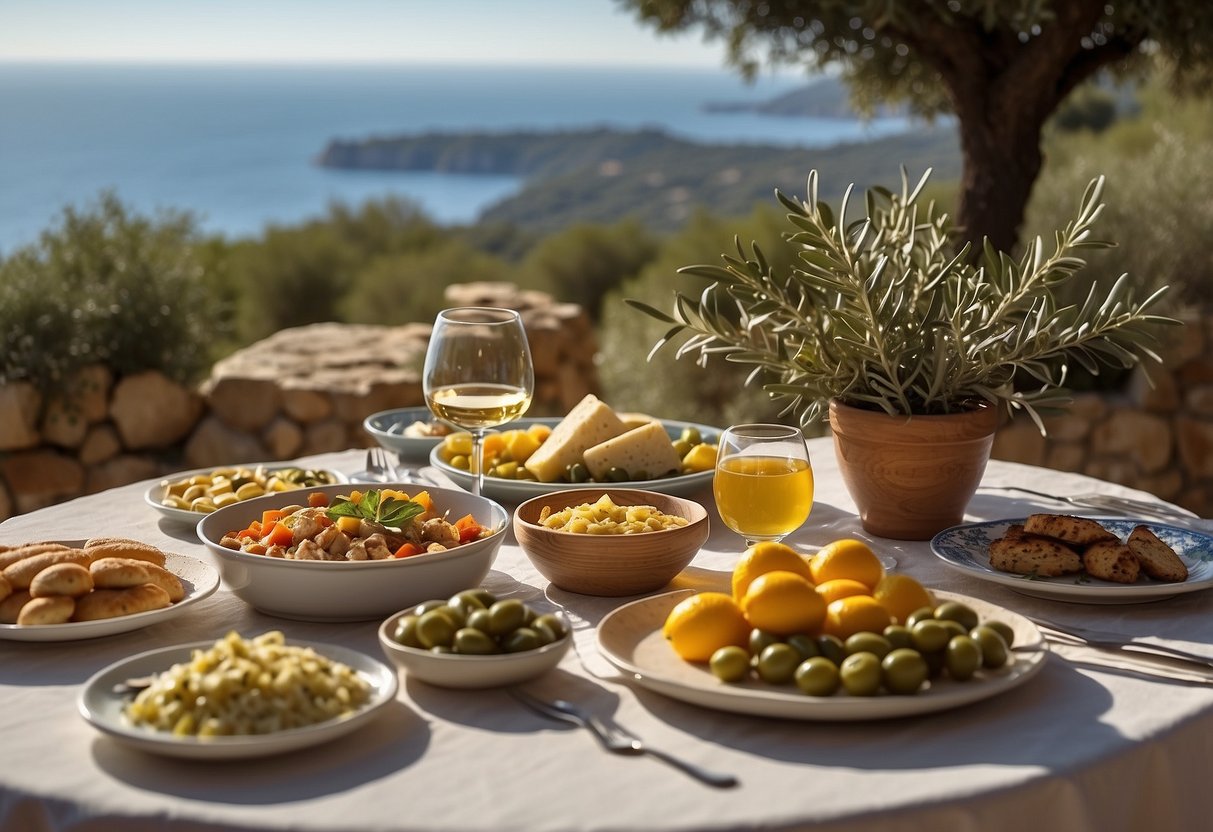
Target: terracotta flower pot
x,y
911,476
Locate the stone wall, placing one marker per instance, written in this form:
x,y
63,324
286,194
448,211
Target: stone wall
x,y
1158,438
301,391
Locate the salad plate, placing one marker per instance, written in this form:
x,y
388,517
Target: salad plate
x,y
199,578
516,491
157,491
966,548
630,638
101,704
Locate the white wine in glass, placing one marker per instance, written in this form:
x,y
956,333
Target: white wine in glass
x,y
763,483
478,373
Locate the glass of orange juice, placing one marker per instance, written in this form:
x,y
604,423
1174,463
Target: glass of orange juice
x,y
763,483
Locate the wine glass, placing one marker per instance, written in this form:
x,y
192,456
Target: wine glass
x,y
763,483
478,373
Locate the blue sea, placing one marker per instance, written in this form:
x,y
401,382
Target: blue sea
x,y
234,145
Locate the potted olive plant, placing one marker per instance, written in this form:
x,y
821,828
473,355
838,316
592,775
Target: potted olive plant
x,y
915,347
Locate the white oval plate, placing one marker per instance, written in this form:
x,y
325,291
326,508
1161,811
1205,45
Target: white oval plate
x,y
155,493
520,490
102,707
966,548
630,638
199,578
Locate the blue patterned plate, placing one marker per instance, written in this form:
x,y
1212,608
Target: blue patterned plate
x,y
966,549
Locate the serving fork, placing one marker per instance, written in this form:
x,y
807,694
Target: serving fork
x,y
1106,502
615,739
1111,641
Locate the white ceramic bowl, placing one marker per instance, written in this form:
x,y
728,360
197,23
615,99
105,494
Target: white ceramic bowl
x,y
453,670
308,590
388,426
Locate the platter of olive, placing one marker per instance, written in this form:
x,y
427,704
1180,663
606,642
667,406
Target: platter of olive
x,y
188,495
896,686
474,640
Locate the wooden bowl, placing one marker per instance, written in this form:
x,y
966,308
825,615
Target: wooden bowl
x,y
615,564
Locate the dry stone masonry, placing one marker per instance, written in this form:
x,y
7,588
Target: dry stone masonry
x,y
306,390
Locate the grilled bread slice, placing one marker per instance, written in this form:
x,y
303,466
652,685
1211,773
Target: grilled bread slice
x,y
1111,560
1028,554
1157,559
1076,531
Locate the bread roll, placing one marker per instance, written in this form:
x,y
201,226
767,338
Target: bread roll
x,y
112,603
17,553
1157,559
6,588
11,606
1111,561
1077,531
53,610
21,573
116,548
166,580
1026,554
118,573
63,579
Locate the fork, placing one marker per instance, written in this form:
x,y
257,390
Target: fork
x,y
615,739
1106,502
1111,641
378,466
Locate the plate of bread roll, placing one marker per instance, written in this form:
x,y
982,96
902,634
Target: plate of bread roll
x,y
66,590
1083,559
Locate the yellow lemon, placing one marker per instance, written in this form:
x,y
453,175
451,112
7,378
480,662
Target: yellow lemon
x,y
902,595
856,614
847,558
841,588
700,625
765,557
783,603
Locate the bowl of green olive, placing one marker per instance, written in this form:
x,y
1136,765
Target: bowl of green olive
x,y
475,640
188,495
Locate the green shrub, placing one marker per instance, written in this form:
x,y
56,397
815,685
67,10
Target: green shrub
x,y
669,388
106,285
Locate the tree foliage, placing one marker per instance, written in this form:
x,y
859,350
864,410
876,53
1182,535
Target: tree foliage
x,y
1001,66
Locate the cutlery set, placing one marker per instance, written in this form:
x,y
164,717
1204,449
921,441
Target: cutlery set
x,y
1104,502
1157,660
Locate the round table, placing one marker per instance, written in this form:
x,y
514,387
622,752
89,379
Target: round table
x,y
1077,747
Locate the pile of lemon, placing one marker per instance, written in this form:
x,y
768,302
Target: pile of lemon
x,y
834,619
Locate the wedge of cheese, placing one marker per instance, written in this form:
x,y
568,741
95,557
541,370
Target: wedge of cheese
x,y
587,424
645,449
635,420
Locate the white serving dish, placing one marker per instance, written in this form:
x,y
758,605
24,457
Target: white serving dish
x,y
452,670
102,707
516,491
308,590
155,492
387,427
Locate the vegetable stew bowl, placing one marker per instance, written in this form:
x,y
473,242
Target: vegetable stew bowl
x,y
616,564
309,590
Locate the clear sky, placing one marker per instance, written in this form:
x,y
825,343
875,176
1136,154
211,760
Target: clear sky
x,y
551,32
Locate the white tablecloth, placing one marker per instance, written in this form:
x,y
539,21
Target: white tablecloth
x,y
1076,748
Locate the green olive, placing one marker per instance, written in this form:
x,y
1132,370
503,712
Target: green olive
x,y
474,642
435,630
817,676
461,462
682,447
481,620
956,611
691,436
425,606
953,627
963,657
761,640
486,598
506,616
577,472
868,643
465,605
549,623
616,474
994,651
457,616
730,664
860,674
898,636
904,670
406,631
831,647
930,636
803,644
777,664
921,614
520,640
1003,629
